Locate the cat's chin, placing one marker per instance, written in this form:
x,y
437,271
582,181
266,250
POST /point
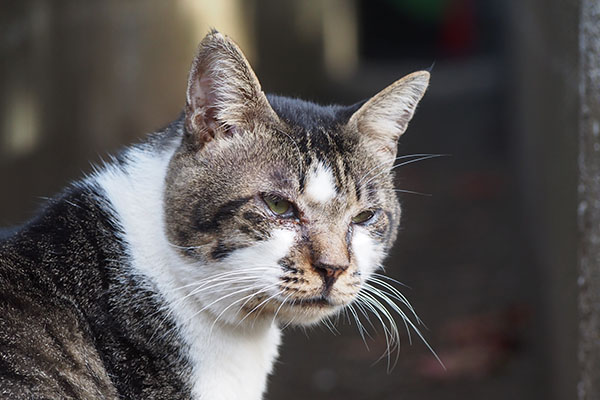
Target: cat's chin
x,y
307,312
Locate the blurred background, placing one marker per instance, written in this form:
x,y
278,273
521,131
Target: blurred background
x,y
489,254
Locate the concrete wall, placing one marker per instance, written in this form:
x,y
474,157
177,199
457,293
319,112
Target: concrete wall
x,y
588,386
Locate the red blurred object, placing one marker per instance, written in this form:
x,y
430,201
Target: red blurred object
x,y
480,185
459,29
478,345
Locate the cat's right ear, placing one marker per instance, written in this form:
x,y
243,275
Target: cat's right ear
x,y
223,94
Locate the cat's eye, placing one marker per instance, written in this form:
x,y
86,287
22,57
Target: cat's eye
x,y
279,206
363,217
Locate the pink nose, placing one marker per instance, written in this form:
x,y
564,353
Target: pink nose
x,y
329,273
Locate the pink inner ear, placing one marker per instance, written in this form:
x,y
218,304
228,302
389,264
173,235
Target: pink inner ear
x,y
202,98
201,93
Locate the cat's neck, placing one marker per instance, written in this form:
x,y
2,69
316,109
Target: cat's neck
x,y
227,362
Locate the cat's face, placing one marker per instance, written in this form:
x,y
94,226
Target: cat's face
x,y
284,208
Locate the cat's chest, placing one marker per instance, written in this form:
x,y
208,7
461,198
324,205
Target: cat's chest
x,y
229,363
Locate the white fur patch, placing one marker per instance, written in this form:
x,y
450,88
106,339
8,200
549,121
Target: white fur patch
x,y
320,186
227,362
368,255
244,273
234,361
267,252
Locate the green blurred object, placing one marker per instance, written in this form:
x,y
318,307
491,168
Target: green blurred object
x,y
422,10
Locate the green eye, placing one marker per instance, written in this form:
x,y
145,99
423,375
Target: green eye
x,y
278,205
363,217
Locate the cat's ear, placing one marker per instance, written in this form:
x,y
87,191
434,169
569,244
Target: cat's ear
x,y
386,115
223,93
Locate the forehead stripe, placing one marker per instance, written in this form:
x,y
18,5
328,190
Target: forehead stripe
x,y
320,186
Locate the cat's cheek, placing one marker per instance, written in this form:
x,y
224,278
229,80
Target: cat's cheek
x,y
366,251
268,252
281,242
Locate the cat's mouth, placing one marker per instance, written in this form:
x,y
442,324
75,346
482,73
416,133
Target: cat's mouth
x,y
321,301
308,310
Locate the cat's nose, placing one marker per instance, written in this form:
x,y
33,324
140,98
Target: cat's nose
x,y
329,255
329,272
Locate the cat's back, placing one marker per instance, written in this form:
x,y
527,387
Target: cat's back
x,y
46,350
75,322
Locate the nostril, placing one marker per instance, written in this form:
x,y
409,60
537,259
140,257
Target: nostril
x,y
329,273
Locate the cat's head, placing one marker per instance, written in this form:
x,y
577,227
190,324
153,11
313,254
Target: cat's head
x,y
283,207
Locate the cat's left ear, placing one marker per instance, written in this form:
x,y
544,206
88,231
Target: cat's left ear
x,y
386,115
223,95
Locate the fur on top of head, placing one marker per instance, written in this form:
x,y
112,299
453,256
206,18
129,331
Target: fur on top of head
x,y
288,205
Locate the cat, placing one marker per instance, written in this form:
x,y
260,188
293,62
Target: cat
x,y
169,272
